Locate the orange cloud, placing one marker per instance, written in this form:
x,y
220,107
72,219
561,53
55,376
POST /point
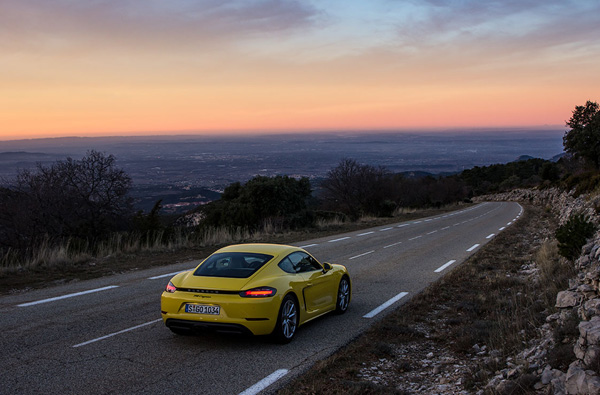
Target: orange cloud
x,y
260,65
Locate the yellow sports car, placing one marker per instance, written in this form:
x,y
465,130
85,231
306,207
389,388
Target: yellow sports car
x,y
255,288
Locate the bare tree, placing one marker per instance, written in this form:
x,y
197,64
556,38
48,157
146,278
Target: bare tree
x,y
70,199
354,188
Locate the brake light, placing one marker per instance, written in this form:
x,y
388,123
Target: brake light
x,y
171,288
262,292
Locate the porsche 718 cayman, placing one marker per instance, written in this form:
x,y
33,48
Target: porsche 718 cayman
x,y
255,288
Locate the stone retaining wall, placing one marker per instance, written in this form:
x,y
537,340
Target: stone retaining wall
x,y
582,298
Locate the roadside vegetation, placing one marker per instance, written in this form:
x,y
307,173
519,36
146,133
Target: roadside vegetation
x,y
78,212
481,312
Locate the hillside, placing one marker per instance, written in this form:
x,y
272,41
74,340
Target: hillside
x,y
514,318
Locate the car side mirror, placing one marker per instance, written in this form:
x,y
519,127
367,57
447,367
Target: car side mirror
x,y
327,267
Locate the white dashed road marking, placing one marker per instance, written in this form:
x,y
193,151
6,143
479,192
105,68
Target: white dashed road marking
x,y
167,275
264,383
116,333
472,248
343,238
391,245
366,253
384,306
67,296
439,269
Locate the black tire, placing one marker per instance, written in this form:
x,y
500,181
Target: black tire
x,y
343,296
287,320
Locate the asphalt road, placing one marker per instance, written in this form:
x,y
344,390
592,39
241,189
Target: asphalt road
x,y
106,336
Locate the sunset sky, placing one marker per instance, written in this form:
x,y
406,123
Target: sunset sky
x,y
125,67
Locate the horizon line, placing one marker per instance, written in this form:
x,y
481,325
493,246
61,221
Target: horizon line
x,y
260,133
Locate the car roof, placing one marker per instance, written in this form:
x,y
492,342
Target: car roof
x,y
270,249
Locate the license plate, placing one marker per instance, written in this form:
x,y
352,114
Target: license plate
x,y
202,309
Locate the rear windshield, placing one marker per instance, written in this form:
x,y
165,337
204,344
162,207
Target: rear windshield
x,y
232,264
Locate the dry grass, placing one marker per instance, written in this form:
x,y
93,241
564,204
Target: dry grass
x,y
46,255
327,223
489,300
123,252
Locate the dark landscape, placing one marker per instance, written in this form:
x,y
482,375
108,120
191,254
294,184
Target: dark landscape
x,y
186,171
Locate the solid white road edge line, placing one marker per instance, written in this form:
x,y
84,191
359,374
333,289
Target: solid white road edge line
x,y
473,247
116,333
310,245
384,306
67,296
343,238
439,269
358,256
264,383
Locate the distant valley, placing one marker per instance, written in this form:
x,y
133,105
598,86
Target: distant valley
x,y
186,171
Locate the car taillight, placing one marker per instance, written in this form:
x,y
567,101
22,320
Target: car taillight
x,y
262,292
171,288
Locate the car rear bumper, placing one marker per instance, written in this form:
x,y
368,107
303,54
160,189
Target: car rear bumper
x,y
200,326
256,316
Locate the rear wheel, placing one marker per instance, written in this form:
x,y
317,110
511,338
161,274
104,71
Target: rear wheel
x,y
287,320
343,297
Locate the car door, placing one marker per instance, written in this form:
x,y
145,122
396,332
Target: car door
x,y
320,291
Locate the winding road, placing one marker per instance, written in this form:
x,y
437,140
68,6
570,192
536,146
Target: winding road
x,y
105,335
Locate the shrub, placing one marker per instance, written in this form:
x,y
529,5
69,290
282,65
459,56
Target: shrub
x,y
573,235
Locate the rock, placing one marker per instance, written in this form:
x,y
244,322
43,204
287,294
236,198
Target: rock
x,y
575,378
591,355
547,375
512,374
558,385
591,308
552,317
538,386
566,299
585,288
594,250
579,351
579,381
506,387
584,261
590,330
